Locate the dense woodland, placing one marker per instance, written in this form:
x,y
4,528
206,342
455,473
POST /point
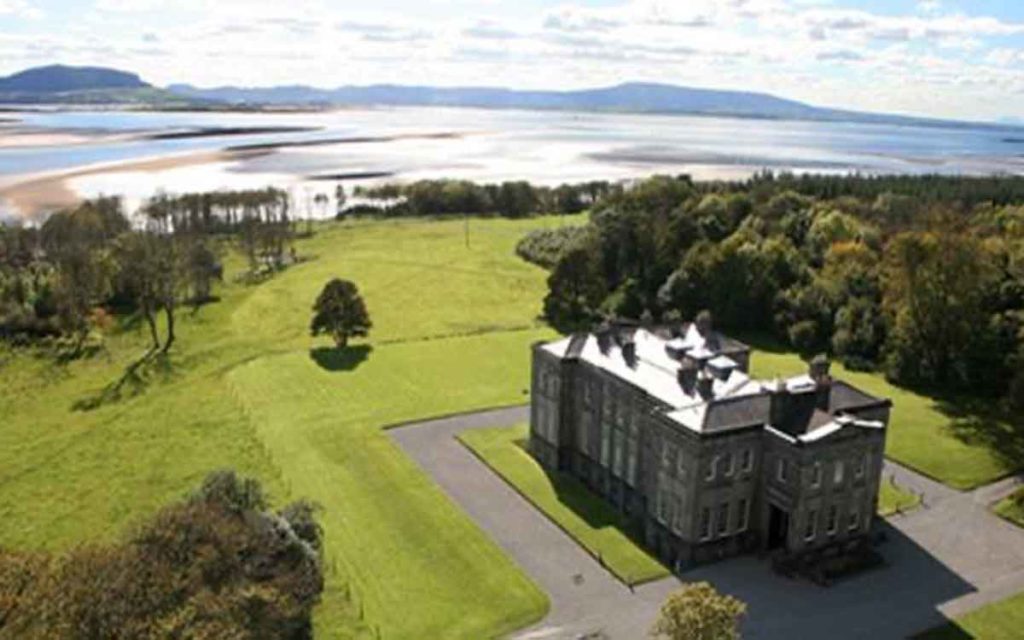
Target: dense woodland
x,y
218,564
920,277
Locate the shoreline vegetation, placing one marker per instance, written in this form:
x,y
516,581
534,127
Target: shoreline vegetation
x,y
223,284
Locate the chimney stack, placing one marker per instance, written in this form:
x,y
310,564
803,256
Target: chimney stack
x,y
687,374
629,352
704,323
705,385
818,370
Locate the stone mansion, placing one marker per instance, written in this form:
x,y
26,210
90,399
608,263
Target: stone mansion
x,y
670,428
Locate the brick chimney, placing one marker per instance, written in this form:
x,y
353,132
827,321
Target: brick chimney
x,y
687,374
629,352
705,385
818,370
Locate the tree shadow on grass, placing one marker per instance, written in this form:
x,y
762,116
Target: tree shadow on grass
x,y
979,421
334,359
134,381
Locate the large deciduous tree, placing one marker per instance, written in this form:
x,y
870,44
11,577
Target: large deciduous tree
x,y
340,312
699,612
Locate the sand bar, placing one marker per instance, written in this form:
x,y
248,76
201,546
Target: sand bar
x,y
36,195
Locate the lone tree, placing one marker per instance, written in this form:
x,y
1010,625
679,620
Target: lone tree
x,y
340,312
698,612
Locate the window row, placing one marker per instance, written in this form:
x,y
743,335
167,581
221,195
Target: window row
x,y
832,522
729,519
726,464
860,469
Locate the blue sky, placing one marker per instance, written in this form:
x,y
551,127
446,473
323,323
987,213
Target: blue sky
x,y
951,58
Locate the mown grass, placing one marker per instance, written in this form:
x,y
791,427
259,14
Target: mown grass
x,y
1012,507
943,440
892,499
247,388
591,521
1000,621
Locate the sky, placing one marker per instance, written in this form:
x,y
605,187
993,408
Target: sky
x,y
945,58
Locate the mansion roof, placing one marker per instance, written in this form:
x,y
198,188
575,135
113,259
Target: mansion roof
x,y
702,383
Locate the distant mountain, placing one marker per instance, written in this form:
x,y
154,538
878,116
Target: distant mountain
x,y
630,97
59,84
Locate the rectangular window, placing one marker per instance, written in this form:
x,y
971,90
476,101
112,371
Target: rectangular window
x,y
838,475
781,470
712,469
816,475
667,454
811,526
663,506
723,518
862,465
678,521
742,515
748,460
606,444
730,463
833,519
618,453
631,461
854,518
681,464
705,523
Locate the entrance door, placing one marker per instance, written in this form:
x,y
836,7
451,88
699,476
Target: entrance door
x,y
778,527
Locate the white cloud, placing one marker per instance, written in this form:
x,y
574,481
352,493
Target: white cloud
x,y
19,8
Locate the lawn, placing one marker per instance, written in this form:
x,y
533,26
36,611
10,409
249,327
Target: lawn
x,y
1012,507
893,499
568,503
927,434
1000,621
247,388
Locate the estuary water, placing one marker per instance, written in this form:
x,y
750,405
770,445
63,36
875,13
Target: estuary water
x,y
353,146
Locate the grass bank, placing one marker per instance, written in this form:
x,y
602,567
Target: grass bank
x,y
595,525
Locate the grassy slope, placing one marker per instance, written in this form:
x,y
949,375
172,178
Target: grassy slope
x,y
922,433
1000,621
243,391
587,518
1012,508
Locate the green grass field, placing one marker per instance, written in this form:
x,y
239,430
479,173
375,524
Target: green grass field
x,y
247,388
595,525
1000,621
1012,508
935,437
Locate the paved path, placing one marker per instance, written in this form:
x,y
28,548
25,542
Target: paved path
x,y
948,557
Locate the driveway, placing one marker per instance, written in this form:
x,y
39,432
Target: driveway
x,y
948,557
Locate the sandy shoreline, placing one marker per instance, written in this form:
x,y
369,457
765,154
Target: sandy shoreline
x,y
35,195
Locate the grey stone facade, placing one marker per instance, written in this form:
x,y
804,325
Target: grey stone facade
x,y
707,462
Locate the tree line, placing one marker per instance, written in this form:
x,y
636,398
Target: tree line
x,y
929,290
518,199
57,280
